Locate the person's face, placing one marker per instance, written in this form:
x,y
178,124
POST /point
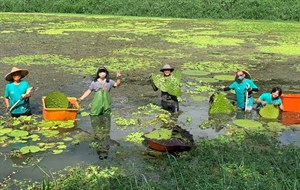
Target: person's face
x,y
240,75
167,72
275,94
102,75
16,76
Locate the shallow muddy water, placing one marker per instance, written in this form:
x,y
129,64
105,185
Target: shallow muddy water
x,y
267,69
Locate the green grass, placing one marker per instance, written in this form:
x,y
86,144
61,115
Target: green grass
x,y
258,162
228,9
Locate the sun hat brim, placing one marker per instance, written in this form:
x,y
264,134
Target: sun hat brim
x,y
9,76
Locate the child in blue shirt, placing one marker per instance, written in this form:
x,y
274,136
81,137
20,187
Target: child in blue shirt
x,y
272,97
16,90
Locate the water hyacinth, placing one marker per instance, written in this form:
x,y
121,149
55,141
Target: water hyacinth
x,y
269,111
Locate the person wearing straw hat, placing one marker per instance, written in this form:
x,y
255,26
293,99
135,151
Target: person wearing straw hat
x,y
168,102
243,86
15,91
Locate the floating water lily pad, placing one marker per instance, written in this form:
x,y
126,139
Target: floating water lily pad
x,y
159,134
269,111
18,133
29,149
220,104
207,80
57,151
49,133
199,98
67,139
195,72
249,124
224,77
5,131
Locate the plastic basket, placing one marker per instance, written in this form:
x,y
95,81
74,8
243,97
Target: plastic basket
x,y
291,102
61,113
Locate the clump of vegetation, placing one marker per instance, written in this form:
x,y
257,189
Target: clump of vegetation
x,y
220,104
56,99
169,84
269,111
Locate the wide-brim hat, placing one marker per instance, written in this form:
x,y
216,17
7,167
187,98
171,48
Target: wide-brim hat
x,y
167,67
247,75
23,72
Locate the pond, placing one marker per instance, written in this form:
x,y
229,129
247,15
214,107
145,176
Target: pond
x,y
62,56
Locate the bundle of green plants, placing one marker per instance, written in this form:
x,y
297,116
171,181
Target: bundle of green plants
x,y
220,104
56,99
170,84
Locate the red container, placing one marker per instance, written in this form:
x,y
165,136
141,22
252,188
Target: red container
x,y
61,113
289,118
291,102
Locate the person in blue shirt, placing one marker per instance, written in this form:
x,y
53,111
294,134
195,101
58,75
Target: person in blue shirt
x,y
243,86
16,90
272,97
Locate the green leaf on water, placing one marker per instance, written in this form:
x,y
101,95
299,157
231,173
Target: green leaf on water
x,y
248,124
57,151
18,133
221,104
29,149
269,111
159,134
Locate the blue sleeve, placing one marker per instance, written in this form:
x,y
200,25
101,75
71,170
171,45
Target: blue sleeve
x,y
6,93
252,85
232,85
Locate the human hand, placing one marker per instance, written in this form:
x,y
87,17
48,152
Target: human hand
x,y
79,100
249,89
118,74
263,103
25,96
276,104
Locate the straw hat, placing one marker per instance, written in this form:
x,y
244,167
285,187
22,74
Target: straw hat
x,y
247,75
167,67
23,72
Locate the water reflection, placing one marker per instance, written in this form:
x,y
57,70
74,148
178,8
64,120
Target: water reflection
x,y
101,125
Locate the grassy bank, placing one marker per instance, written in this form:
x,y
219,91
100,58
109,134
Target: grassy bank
x,y
257,162
226,9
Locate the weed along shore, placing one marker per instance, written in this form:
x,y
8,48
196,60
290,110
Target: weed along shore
x,y
227,148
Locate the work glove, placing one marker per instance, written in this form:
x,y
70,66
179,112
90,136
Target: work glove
x,y
276,104
249,90
263,103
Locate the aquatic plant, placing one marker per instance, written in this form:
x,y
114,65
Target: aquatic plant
x,y
249,124
29,149
169,84
269,111
56,99
125,122
213,67
220,104
224,77
135,137
159,134
195,72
